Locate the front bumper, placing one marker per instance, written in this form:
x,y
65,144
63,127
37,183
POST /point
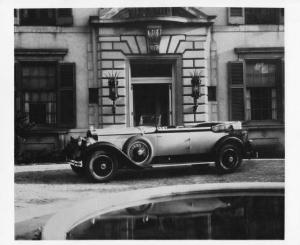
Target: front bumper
x,y
74,163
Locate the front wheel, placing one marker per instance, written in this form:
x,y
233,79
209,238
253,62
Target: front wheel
x,y
101,166
228,158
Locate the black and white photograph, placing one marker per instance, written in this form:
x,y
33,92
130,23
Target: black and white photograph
x,y
149,122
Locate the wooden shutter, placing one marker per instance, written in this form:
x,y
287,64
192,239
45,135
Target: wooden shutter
x,y
280,91
16,17
281,16
236,16
64,17
17,78
66,95
236,90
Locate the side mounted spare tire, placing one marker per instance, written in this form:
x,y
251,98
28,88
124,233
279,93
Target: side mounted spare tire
x,y
139,150
228,158
101,166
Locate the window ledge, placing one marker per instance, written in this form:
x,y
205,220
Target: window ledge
x,y
248,28
269,124
40,52
56,130
51,29
260,50
48,130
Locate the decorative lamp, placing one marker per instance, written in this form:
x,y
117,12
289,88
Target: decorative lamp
x,y
113,89
196,82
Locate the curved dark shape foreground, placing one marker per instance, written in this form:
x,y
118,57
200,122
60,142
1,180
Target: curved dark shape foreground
x,y
206,211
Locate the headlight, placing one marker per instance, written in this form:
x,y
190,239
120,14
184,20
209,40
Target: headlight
x,y
79,141
90,141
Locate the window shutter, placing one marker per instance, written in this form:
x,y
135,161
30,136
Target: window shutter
x,y
64,17
17,78
281,16
280,92
236,90
66,95
236,16
16,17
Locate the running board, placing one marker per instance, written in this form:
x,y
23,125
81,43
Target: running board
x,y
168,165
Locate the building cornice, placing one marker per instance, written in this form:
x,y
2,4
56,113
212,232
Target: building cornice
x,y
24,54
95,20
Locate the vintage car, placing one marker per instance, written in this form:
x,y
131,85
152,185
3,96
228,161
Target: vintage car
x,y
103,151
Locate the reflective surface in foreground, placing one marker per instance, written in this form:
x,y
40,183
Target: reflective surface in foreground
x,y
251,215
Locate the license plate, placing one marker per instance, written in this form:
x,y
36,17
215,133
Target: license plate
x,y
76,163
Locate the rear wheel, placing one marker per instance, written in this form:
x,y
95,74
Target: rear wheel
x,y
228,159
101,166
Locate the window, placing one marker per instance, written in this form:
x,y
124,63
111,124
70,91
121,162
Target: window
x,y
45,92
93,95
149,12
151,70
38,92
236,12
257,94
255,16
261,82
45,17
212,93
261,103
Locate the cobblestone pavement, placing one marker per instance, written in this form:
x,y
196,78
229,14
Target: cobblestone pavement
x,y
42,190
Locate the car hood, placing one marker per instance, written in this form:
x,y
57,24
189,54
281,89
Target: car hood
x,y
122,131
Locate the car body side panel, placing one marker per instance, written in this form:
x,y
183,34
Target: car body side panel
x,y
117,140
153,140
173,143
203,142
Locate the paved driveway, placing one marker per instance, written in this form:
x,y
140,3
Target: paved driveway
x,y
41,190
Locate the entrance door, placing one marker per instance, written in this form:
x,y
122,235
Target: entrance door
x,y
151,104
151,95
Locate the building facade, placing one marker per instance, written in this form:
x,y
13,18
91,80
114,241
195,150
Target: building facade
x,y
76,68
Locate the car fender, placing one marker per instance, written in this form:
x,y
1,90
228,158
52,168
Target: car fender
x,y
228,139
102,145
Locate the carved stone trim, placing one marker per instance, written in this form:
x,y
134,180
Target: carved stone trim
x,y
153,34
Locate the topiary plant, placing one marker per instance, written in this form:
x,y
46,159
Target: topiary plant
x,y
22,130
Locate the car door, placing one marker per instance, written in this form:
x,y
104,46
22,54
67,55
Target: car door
x,y
203,140
172,142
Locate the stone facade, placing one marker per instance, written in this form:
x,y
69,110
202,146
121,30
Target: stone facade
x,y
104,40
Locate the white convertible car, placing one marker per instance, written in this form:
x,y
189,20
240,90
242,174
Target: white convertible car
x,y
103,151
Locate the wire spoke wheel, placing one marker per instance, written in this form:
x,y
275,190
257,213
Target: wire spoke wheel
x,y
139,152
103,165
228,159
